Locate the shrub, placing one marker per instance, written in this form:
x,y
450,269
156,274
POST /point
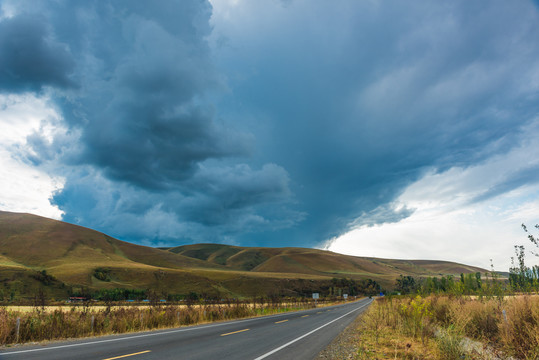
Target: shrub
x,y
41,325
483,325
416,317
521,331
449,343
102,274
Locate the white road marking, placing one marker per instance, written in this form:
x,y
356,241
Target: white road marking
x,y
309,333
133,337
142,335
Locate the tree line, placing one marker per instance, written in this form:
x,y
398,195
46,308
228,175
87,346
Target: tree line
x,y
521,278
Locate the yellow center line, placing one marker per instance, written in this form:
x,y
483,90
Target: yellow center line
x,y
235,332
123,356
282,321
305,315
320,312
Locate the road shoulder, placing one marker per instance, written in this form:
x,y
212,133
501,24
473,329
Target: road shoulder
x,y
345,345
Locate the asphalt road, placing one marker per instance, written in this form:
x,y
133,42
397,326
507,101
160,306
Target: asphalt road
x,y
297,335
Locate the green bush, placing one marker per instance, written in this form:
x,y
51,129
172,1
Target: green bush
x,y
449,343
102,274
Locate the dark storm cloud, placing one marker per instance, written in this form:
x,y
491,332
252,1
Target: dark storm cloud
x,y
160,153
142,112
385,213
526,176
366,97
351,102
30,58
224,193
145,154
144,76
217,206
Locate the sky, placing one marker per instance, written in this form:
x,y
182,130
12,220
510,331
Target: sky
x,y
390,129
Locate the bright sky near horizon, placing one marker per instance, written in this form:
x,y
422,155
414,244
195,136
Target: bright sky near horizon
x,y
388,129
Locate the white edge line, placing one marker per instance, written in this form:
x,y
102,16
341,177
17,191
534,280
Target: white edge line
x,y
305,335
145,335
122,338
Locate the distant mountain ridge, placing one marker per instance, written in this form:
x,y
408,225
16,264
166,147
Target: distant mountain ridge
x,y
78,257
315,262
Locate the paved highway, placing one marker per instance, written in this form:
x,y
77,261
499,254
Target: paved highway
x,y
297,335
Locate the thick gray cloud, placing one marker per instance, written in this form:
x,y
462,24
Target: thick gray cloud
x,y
365,97
216,205
30,58
141,110
144,144
272,123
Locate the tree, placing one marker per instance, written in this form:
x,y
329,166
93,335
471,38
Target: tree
x,y
406,285
533,239
522,277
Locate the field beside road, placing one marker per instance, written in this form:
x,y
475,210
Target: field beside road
x,y
298,335
450,327
20,324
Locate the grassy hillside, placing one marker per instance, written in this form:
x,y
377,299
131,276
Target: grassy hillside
x,y
40,242
74,257
318,262
71,254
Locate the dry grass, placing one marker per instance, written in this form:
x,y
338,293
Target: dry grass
x,y
435,327
81,307
383,334
54,323
520,333
510,326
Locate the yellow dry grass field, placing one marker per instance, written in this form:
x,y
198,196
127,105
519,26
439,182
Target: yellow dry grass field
x,y
449,327
66,308
96,308
67,322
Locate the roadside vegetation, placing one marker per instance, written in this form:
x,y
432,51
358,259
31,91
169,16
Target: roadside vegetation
x,y
451,327
84,320
112,311
476,316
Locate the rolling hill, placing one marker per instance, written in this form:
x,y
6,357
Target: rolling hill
x,y
317,262
36,251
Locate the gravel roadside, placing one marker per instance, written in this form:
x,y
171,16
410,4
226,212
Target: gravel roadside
x,y
345,345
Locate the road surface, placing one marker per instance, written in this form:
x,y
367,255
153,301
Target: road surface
x,y
296,335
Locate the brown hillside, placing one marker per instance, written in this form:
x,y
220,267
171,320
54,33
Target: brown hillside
x,y
40,242
73,255
303,261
